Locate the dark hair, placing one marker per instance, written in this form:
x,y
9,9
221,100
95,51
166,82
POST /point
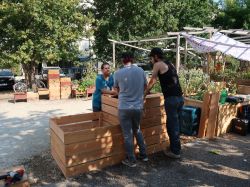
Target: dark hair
x,y
103,64
156,51
127,57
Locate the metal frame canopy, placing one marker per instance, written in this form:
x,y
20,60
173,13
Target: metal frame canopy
x,y
236,34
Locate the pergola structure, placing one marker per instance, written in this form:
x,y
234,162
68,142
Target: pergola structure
x,y
236,34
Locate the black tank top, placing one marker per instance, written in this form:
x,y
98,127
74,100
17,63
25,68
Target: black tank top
x,y
169,81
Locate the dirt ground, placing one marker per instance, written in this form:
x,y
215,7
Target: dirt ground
x,y
24,139
221,162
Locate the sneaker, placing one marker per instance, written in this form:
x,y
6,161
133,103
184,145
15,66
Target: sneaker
x,y
143,158
171,155
129,163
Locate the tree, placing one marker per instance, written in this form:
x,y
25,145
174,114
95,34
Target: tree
x,y
35,31
234,14
129,20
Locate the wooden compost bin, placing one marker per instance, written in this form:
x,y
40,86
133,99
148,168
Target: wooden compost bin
x,y
225,115
86,142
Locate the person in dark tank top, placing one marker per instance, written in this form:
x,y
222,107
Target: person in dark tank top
x,y
171,89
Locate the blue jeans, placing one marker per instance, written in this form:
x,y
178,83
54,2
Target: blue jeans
x,y
130,124
96,109
173,107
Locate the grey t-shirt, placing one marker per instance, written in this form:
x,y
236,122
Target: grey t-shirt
x,y
131,81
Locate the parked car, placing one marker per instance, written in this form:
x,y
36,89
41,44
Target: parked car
x,y
7,79
45,70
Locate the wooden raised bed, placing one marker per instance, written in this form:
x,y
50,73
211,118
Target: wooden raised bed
x,y
86,142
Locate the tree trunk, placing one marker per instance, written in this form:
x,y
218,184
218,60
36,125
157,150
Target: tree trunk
x,y
29,70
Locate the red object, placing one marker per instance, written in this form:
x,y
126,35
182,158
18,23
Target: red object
x,y
90,90
53,76
66,84
20,96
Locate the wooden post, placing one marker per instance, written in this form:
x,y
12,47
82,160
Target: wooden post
x,y
113,55
213,113
178,53
185,57
204,115
209,56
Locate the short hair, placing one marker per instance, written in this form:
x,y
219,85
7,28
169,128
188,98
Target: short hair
x,y
127,57
156,51
103,64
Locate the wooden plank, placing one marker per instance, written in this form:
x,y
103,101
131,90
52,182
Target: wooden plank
x,y
153,130
90,134
213,113
62,120
56,129
95,165
157,147
204,115
57,144
60,155
156,139
154,100
156,111
110,101
59,163
245,82
226,113
151,149
193,102
242,89
93,145
85,157
113,120
79,126
156,119
110,109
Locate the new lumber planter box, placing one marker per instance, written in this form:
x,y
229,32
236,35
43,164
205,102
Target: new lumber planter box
x,y
86,142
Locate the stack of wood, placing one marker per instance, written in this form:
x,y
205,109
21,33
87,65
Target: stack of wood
x,y
65,83
243,87
85,142
32,96
54,84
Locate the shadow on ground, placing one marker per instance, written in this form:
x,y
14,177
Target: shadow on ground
x,y
221,162
17,132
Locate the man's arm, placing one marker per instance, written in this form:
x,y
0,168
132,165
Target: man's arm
x,y
153,79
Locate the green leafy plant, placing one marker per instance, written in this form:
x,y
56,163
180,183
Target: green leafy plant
x,y
193,81
89,78
156,88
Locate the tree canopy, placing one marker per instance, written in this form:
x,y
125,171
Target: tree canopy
x,y
234,14
34,31
128,20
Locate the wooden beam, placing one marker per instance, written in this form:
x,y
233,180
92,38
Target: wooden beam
x,y
185,51
178,54
150,40
113,55
122,43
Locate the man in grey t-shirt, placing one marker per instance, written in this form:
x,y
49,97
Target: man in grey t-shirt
x,y
130,82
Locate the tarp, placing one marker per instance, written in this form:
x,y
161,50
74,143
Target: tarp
x,y
219,42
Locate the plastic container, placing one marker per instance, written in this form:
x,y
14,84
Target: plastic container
x,y
223,96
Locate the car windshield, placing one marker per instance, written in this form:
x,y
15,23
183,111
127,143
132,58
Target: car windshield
x,y
6,73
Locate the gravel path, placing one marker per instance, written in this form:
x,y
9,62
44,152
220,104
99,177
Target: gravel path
x,y
24,127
